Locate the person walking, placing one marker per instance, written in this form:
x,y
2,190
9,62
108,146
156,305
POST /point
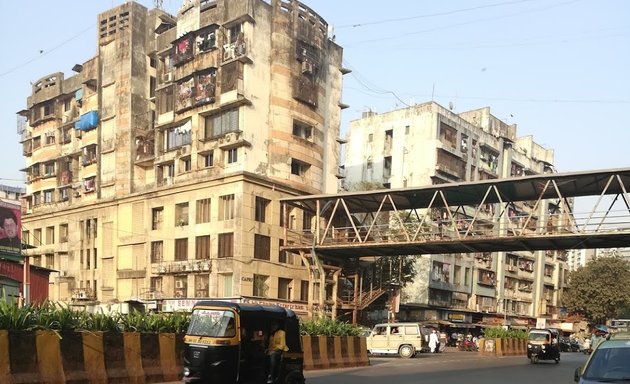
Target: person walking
x,y
433,341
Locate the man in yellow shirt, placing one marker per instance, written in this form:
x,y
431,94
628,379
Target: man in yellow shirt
x,y
277,345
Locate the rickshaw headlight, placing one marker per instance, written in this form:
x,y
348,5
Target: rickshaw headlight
x,y
186,372
543,347
529,346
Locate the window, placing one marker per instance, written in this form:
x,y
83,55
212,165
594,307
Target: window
x,y
231,155
262,247
299,168
307,220
203,211
226,207
260,213
156,284
196,90
285,288
166,101
226,245
181,214
181,249
50,235
181,286
157,217
202,247
260,286
221,124
370,137
302,130
284,256
88,155
50,138
186,164
63,233
225,284
183,49
208,159
304,290
207,39
37,237
407,129
49,169
37,142
202,283
48,196
157,249
178,136
89,184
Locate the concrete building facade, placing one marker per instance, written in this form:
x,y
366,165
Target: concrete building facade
x,y
153,172
427,144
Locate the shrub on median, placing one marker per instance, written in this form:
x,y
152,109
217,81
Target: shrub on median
x,y
323,326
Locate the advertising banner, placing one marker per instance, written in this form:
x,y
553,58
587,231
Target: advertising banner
x,y
10,229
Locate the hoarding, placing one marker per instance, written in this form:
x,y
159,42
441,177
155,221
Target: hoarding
x,y
10,229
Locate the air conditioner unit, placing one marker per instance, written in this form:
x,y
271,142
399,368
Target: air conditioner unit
x,y
307,67
511,268
62,273
231,136
167,77
179,284
82,295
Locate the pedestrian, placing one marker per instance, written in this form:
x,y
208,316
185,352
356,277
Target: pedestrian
x,y
433,341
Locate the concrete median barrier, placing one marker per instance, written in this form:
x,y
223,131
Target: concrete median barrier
x,y
139,358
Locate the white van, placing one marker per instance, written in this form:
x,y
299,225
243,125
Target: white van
x,y
404,339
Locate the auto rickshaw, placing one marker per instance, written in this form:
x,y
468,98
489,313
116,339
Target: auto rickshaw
x,y
225,343
543,344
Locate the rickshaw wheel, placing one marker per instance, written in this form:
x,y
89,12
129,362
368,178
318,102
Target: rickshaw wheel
x,y
294,378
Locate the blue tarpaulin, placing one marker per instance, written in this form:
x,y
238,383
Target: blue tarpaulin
x,y
87,121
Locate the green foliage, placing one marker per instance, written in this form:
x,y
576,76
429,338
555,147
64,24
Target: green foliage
x,y
502,333
324,326
55,317
599,291
14,317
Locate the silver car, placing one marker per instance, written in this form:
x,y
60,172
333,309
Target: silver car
x,y
609,362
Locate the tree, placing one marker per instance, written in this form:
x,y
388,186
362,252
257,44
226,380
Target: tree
x,y
599,290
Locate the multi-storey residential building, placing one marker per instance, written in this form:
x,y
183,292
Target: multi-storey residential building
x,y
153,172
427,144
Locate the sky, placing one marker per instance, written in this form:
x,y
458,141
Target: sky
x,y
559,69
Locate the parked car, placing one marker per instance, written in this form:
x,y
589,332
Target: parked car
x,y
608,362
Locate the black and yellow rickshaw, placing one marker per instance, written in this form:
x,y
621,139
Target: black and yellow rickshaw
x,y
543,344
226,342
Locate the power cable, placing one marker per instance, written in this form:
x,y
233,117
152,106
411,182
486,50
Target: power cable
x,y
446,13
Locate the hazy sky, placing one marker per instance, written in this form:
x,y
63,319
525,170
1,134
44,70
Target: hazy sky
x,y
559,69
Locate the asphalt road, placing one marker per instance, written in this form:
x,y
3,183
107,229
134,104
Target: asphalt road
x,y
453,367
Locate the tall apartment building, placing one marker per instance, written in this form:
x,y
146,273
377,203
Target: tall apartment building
x,y
427,144
153,172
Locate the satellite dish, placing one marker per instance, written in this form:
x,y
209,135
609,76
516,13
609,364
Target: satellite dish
x,y
450,105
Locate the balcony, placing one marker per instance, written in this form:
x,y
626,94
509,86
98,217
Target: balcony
x,y
178,267
132,273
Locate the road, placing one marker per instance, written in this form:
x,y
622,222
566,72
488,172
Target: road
x,y
453,367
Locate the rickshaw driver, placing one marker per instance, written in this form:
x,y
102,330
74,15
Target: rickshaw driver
x,y
277,345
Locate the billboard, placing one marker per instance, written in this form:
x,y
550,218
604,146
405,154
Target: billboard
x,y
10,229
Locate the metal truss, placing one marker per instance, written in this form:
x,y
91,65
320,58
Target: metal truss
x,y
526,213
